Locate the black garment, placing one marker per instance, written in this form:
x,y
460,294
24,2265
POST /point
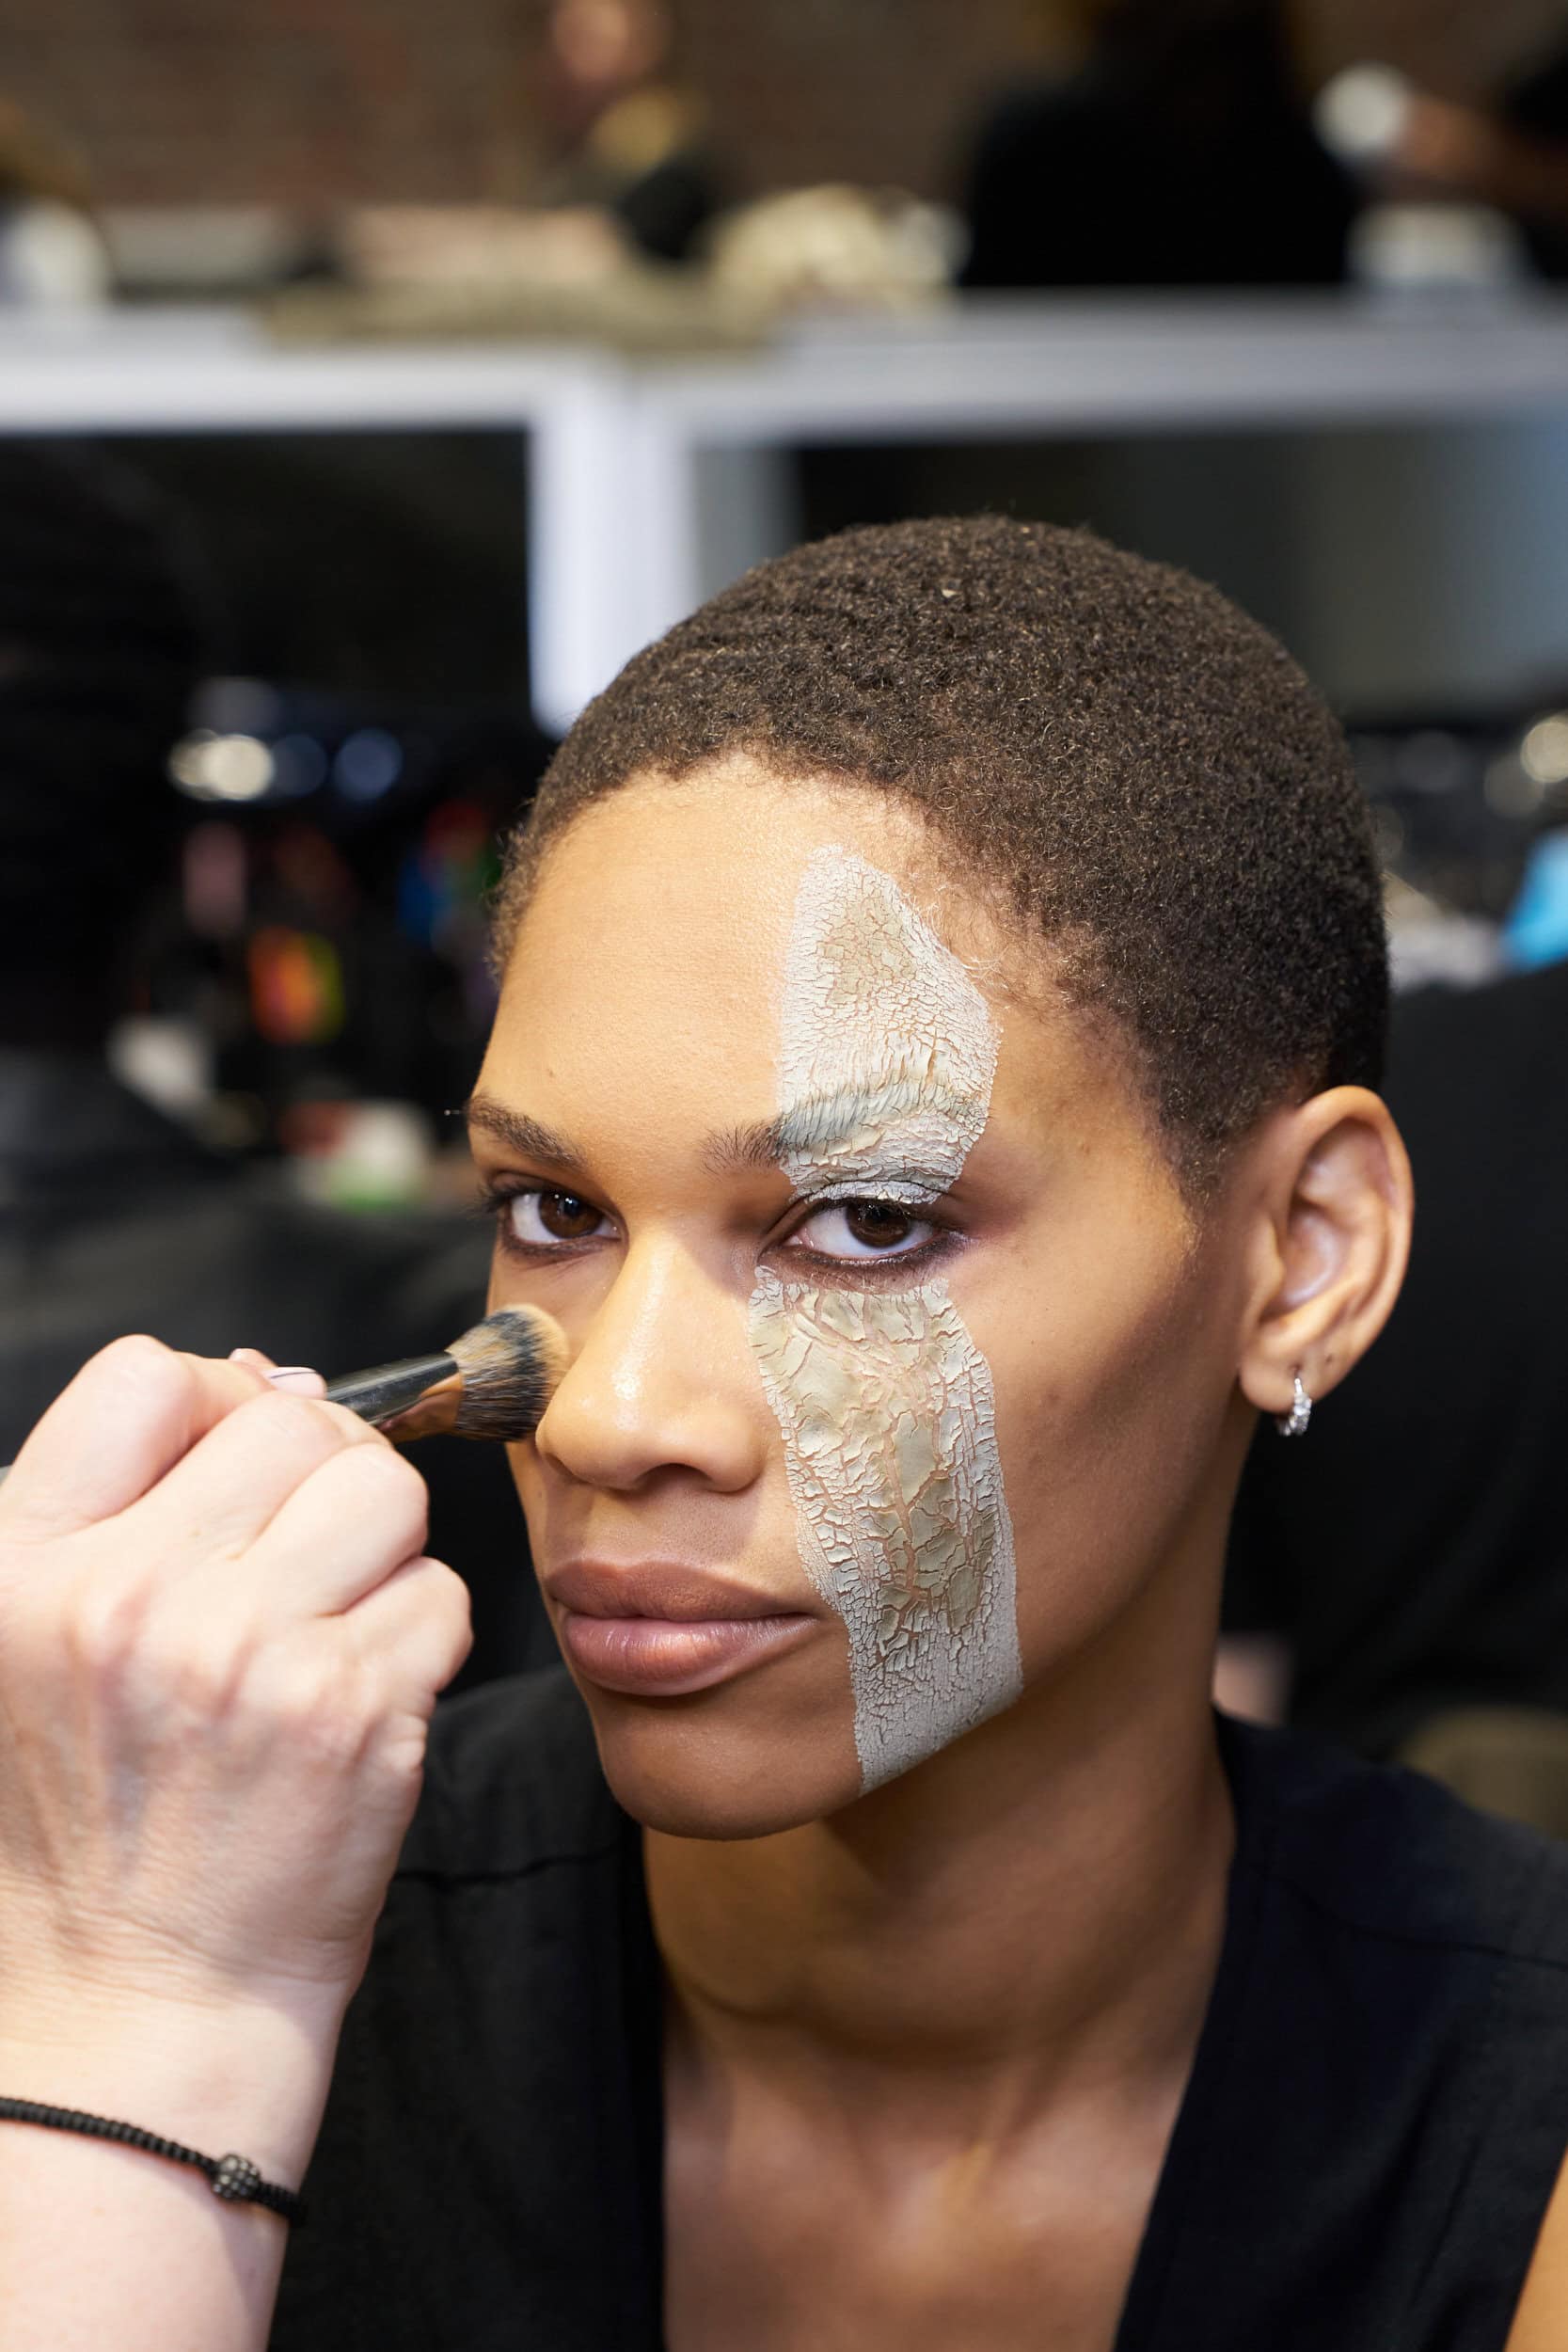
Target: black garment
x,y
1413,1547
666,210
1175,158
113,1221
1375,2118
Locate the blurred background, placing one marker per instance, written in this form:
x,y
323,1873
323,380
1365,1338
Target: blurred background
x,y
312,271
456,353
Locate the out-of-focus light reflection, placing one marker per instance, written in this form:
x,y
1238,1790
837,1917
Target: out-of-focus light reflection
x,y
1544,753
299,766
368,763
1511,789
1432,761
215,879
209,767
1361,114
237,705
296,986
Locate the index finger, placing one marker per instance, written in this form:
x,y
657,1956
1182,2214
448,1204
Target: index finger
x,y
133,1412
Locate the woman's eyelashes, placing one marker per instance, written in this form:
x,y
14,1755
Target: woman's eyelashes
x,y
858,1230
537,1221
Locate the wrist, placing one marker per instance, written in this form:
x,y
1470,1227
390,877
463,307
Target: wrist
x,y
251,2079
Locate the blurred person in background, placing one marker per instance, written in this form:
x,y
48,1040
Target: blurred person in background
x,y
1410,1564
1179,151
619,133
1227,143
610,168
1511,157
51,253
112,1218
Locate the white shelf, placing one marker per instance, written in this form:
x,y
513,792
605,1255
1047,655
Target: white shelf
x,y
615,441
1002,366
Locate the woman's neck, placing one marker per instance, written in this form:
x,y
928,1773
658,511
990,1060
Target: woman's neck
x,y
1039,1906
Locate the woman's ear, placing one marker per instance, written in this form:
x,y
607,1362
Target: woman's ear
x,y
1329,1216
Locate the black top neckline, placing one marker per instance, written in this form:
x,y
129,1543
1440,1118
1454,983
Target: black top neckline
x,y
1196,2149
1375,2116
1182,2165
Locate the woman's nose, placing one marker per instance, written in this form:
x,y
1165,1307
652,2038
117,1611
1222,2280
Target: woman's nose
x,y
664,1379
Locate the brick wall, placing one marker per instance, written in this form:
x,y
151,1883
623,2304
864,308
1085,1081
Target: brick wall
x,y
1456,46
307,101
298,101
288,100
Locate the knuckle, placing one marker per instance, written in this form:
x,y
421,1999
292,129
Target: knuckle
x,y
351,1426
136,1349
318,1701
417,1627
203,1673
312,1425
447,1581
102,1625
154,1374
449,1592
389,1485
447,1622
296,1434
289,1422
462,1624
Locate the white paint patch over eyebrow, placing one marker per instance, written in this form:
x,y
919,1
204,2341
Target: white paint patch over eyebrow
x,y
887,1056
879,1023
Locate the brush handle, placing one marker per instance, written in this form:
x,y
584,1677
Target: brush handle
x,y
389,1388
377,1394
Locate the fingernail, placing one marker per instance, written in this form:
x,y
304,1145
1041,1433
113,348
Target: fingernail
x,y
298,1379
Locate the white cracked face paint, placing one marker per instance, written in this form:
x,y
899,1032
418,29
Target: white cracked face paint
x,y
887,1054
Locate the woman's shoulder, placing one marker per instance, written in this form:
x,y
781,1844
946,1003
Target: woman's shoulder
x,y
511,1784
1380,2105
1389,1856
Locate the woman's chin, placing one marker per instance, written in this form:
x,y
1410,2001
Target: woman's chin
x,y
690,1770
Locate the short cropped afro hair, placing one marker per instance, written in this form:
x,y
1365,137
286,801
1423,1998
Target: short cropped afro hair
x,y
1166,802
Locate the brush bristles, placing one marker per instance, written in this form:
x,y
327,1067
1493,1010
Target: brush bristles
x,y
510,1363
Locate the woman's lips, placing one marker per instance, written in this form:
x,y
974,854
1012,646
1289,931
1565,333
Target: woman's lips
x,y
670,1656
664,1628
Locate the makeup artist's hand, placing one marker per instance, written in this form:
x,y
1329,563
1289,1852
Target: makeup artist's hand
x,y
220,1648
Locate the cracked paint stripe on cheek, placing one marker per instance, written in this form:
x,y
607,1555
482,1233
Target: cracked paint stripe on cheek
x,y
885,1404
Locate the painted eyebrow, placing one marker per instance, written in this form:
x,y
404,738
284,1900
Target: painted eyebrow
x,y
824,1122
821,1124
735,1151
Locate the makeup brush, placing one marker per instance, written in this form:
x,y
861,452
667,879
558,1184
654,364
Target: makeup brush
x,y
494,1381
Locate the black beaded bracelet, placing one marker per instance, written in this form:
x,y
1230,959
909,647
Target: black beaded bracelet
x,y
235,2178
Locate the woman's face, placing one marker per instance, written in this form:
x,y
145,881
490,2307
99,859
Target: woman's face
x,y
900,1374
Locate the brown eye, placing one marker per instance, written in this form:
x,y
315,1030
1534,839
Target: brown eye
x,y
864,1228
876,1224
537,1218
565,1216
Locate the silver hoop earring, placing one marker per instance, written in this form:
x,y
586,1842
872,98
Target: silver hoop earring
x,y
1293,1424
